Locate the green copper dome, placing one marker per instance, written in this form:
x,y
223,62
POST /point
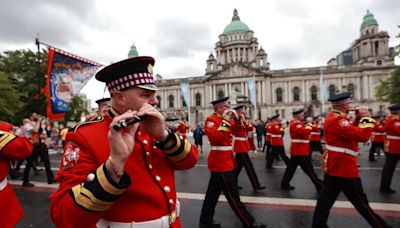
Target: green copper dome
x,y
368,20
236,25
133,52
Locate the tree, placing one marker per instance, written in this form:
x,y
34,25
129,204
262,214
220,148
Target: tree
x,y
76,110
389,90
10,100
20,69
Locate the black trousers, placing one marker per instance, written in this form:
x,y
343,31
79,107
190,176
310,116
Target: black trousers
x,y
316,146
38,149
225,182
275,152
388,169
375,148
267,149
353,190
243,159
306,166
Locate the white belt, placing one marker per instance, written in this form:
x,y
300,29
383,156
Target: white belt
x,y
223,148
3,183
163,222
315,133
300,141
379,133
240,138
342,150
273,135
268,133
392,137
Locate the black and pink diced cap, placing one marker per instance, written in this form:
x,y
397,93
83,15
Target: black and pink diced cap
x,y
137,71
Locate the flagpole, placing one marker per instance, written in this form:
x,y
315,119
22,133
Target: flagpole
x,y
255,94
38,74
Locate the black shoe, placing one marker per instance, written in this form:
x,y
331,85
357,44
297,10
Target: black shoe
x,y
239,187
387,191
258,225
269,167
287,187
51,181
372,160
260,188
213,224
28,184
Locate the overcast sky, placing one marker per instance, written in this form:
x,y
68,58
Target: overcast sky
x,y
181,34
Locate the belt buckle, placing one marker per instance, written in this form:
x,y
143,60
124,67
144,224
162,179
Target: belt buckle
x,y
172,218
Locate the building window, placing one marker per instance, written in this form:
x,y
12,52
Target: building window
x,y
279,95
296,94
350,89
313,91
159,101
332,91
183,102
171,101
198,99
220,94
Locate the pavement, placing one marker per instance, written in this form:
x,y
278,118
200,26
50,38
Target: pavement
x,y
273,206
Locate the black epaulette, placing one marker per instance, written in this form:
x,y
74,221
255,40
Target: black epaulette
x,y
96,119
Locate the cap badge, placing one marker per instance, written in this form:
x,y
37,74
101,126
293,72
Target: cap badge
x,y
150,68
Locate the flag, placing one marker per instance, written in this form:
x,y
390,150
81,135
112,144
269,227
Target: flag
x,y
252,92
322,88
66,76
185,93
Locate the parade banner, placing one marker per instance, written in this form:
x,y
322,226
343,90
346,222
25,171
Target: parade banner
x,y
185,92
66,76
252,92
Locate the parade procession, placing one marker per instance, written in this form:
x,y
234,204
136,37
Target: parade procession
x,y
144,135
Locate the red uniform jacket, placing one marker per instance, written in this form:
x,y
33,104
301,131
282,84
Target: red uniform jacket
x,y
341,135
239,138
315,134
182,129
392,127
12,148
146,191
250,134
379,133
300,135
268,132
276,134
218,132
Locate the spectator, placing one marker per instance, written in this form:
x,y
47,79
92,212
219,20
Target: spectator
x,y
198,138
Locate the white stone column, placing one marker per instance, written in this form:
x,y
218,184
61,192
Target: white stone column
x,y
268,91
303,90
226,90
307,92
287,94
364,87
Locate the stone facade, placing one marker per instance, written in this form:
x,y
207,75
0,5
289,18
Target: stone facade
x,y
239,59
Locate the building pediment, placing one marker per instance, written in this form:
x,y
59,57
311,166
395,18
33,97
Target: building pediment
x,y
235,70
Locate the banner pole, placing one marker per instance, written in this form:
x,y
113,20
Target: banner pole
x,y
38,74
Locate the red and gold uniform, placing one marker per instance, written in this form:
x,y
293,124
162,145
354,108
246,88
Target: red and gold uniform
x,y
315,134
218,132
392,127
88,196
250,135
12,148
340,163
222,164
182,129
299,153
342,137
276,134
300,135
378,138
277,148
392,150
241,147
